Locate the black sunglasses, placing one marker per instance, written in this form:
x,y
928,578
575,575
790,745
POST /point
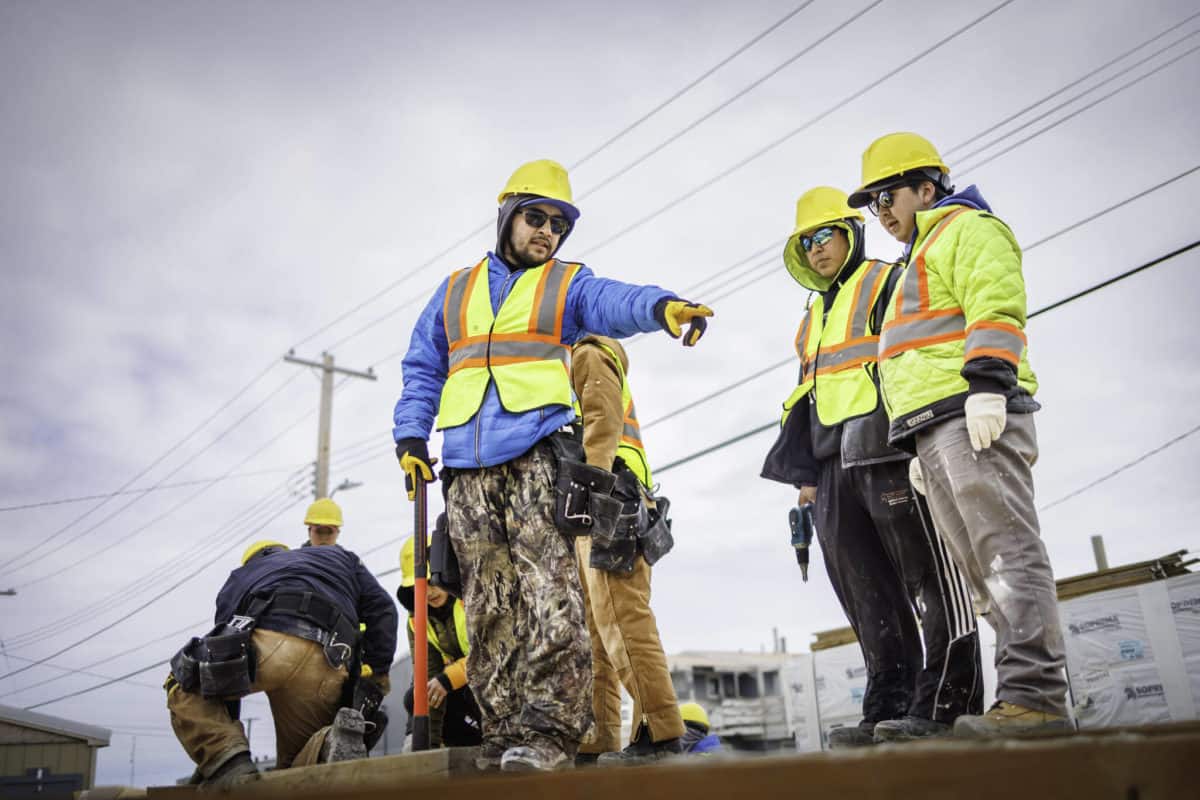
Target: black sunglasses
x,y
536,218
887,197
820,236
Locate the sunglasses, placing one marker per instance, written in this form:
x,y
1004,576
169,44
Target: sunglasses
x,y
820,236
536,218
884,199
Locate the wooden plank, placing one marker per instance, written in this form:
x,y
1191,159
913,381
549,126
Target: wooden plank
x,y
1146,765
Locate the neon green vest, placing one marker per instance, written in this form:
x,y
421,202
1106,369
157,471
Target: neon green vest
x,y
631,449
520,348
460,628
838,352
927,336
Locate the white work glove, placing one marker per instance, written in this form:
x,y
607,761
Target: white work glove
x,y
986,418
915,476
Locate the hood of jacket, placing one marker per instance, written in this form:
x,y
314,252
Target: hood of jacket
x,y
796,259
612,344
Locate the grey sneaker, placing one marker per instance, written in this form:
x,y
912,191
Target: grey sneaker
x,y
908,728
344,742
860,735
537,755
1009,719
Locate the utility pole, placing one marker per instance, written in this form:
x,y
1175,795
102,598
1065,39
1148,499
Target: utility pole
x,y
132,756
321,482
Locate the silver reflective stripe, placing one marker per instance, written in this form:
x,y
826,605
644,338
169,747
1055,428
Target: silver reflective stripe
x,y
867,349
533,351
467,351
906,332
911,290
632,432
916,264
866,299
547,313
995,339
454,305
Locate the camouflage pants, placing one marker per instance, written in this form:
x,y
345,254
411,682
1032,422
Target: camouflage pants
x,y
530,664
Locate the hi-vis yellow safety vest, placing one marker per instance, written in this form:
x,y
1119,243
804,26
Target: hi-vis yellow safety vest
x,y
630,449
460,628
838,352
962,296
520,348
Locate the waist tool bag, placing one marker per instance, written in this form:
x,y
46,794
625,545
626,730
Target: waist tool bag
x,y
219,665
584,502
443,561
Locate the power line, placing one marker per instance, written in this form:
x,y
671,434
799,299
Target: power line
x,y
891,73
483,227
822,38
108,682
79,671
159,488
693,84
102,661
1079,110
173,448
221,555
173,472
773,424
1122,468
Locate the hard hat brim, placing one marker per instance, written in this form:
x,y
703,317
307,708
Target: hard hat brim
x,y
863,196
568,210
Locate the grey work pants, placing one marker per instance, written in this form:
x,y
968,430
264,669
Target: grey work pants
x,y
982,504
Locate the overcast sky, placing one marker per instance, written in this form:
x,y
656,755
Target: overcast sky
x,y
191,189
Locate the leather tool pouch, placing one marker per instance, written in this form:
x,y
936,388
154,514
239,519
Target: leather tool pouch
x,y
443,562
615,550
655,539
185,665
583,494
228,672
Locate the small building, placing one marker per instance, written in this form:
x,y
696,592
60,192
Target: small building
x,y
46,757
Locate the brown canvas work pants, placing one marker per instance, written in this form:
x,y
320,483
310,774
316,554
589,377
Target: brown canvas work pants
x,y
626,651
304,692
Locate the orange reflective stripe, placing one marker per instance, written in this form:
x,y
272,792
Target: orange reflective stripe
x,y
454,308
631,433
995,340
847,355
913,292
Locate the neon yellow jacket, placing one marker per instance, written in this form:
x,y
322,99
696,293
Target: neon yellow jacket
x,y
960,301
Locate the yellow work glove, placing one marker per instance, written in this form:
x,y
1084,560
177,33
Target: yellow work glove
x,y
672,315
415,461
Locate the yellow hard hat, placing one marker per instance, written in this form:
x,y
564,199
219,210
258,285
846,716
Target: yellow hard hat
x,y
694,712
544,178
259,546
823,205
324,512
890,157
408,567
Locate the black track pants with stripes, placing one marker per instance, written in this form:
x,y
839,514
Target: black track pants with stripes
x,y
900,590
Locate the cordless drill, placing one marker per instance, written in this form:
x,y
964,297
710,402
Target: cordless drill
x,y
800,518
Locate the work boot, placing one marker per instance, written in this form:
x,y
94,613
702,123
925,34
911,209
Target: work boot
x,y
344,742
226,775
586,759
537,754
642,751
1009,719
860,735
909,728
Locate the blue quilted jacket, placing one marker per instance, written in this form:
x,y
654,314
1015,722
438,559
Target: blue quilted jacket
x,y
495,435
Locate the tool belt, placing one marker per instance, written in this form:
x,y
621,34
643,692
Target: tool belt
x,y
584,502
640,530
222,663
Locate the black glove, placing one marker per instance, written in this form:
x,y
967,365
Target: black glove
x,y
414,460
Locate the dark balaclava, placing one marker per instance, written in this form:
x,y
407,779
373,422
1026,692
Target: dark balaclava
x,y
504,218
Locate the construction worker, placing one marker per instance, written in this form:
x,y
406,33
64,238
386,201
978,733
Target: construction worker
x,y
324,522
489,358
959,392
698,737
626,649
288,626
887,565
453,712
